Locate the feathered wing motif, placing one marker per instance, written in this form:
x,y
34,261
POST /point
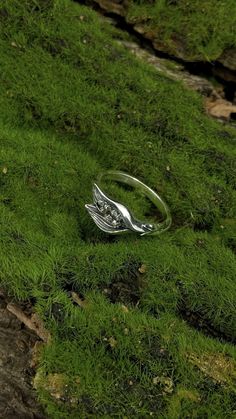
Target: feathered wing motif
x,y
113,217
101,221
105,212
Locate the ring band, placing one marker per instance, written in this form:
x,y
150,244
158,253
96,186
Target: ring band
x,y
113,217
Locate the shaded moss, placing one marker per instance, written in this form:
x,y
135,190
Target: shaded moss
x,y
196,30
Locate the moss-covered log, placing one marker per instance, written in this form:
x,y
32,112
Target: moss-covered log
x,y
190,30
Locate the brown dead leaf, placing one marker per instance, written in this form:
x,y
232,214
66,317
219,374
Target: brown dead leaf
x,y
111,6
142,269
78,300
220,108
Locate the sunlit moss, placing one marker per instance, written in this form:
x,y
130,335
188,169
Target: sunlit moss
x,y
74,103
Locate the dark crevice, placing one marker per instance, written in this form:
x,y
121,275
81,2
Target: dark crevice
x,y
229,91
94,238
214,70
203,325
196,320
203,225
233,116
127,284
231,243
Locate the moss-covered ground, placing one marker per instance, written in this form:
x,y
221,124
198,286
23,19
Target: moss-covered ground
x,y
193,30
155,331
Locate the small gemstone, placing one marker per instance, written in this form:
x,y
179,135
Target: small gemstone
x,y
100,205
114,222
107,207
115,215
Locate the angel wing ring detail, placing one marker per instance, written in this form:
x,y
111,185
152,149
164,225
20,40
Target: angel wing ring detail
x,y
112,217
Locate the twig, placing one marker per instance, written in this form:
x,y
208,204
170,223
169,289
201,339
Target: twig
x,y
34,322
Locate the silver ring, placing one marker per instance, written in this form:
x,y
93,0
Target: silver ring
x,y
112,217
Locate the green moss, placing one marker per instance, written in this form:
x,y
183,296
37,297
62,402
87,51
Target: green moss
x,y
194,30
74,103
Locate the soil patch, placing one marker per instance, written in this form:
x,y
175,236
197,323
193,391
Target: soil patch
x,y
17,398
127,283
